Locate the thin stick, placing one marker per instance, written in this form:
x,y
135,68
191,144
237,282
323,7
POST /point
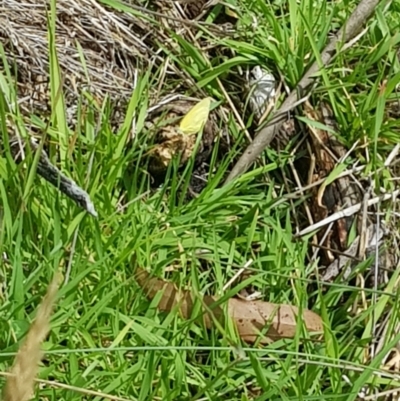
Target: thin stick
x,y
362,12
347,212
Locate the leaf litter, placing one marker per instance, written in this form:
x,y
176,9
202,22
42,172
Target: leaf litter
x,y
251,318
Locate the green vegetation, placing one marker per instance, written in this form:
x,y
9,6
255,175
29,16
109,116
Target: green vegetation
x,y
106,336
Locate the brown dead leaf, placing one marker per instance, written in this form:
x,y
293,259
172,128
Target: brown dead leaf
x,y
250,317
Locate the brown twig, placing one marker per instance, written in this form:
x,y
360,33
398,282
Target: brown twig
x,y
361,14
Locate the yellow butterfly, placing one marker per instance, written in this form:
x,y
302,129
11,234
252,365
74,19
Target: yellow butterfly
x,y
195,119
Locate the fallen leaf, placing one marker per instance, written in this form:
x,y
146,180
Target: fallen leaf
x,y
250,317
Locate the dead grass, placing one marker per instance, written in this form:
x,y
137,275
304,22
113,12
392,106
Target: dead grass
x,y
19,386
98,50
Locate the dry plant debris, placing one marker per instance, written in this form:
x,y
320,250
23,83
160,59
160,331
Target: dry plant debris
x,y
109,41
343,193
328,152
20,385
361,14
98,51
190,9
169,142
250,317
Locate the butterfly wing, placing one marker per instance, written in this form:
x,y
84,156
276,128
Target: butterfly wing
x,y
196,117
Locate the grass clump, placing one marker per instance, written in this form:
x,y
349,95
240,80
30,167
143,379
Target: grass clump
x,y
107,340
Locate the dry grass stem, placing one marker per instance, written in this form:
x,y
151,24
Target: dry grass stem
x,y
20,384
108,40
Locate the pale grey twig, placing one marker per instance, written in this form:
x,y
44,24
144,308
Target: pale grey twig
x,y
66,185
53,175
347,212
